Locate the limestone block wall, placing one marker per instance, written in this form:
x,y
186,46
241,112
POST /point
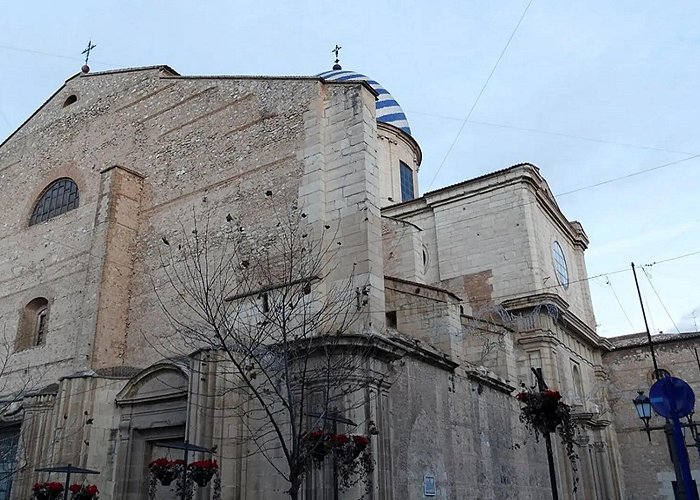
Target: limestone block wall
x,y
476,426
427,315
489,240
404,253
548,227
482,249
646,467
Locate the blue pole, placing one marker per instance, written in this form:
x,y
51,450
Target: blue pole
x,y
682,454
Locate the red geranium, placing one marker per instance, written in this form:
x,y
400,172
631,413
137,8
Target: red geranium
x,y
83,490
316,434
361,440
340,438
52,489
204,464
552,394
522,396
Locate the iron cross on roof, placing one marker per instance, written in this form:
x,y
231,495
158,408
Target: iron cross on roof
x,y
336,51
90,46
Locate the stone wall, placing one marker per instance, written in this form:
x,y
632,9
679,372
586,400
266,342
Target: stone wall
x,y
646,466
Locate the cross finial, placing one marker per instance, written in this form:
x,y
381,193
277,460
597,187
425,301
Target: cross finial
x,y
87,51
336,51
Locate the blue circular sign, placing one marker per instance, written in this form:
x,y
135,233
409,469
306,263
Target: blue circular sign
x,y
672,397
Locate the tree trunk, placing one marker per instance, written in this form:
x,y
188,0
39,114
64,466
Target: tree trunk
x,y
294,493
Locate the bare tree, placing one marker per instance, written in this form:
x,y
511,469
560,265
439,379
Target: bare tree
x,y
275,302
16,382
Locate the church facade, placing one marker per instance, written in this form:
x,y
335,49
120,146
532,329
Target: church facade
x,y
465,289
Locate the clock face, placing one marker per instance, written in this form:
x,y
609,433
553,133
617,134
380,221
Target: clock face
x,y
560,268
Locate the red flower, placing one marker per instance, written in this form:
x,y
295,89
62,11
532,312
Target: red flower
x,y
37,486
316,434
160,462
522,396
361,440
552,394
204,464
54,486
75,488
92,490
340,438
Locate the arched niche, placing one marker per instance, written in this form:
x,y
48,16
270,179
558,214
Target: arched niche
x,y
160,382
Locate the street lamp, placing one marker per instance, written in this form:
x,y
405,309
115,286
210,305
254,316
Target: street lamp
x,y
642,404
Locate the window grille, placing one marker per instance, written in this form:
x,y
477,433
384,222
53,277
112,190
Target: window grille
x,y
60,197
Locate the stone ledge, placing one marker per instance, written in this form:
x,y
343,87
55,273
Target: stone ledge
x,y
490,379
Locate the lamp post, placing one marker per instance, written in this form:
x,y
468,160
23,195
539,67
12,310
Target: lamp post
x,y
642,404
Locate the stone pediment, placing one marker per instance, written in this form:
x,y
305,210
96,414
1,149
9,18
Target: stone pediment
x,y
160,382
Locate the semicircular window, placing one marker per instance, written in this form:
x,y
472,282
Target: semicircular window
x,y
58,198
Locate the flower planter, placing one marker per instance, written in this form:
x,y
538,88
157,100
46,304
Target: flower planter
x,y
166,476
164,470
48,491
83,491
53,495
202,476
319,453
201,472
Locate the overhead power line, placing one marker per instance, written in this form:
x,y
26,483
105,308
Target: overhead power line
x,y
648,276
632,174
481,92
57,56
612,288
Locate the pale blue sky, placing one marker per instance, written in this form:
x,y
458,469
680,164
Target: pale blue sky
x,y
624,74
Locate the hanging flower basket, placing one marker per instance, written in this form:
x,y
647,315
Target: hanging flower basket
x,y
83,491
543,413
316,444
165,470
351,455
201,472
47,491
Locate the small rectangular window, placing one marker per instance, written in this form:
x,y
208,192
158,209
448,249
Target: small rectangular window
x,y
407,192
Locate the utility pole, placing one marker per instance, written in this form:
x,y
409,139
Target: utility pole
x,y
646,324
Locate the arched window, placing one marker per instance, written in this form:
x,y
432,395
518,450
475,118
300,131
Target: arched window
x,y
33,325
58,198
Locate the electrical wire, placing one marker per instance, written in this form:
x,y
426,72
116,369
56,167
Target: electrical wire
x,y
556,134
648,276
632,174
481,92
57,56
612,288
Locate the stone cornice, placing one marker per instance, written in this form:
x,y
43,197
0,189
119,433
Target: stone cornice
x,y
573,323
430,357
491,380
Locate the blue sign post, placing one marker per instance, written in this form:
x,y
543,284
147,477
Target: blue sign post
x,y
674,399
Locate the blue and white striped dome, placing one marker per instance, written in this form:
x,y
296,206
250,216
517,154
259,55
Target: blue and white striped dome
x,y
388,110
